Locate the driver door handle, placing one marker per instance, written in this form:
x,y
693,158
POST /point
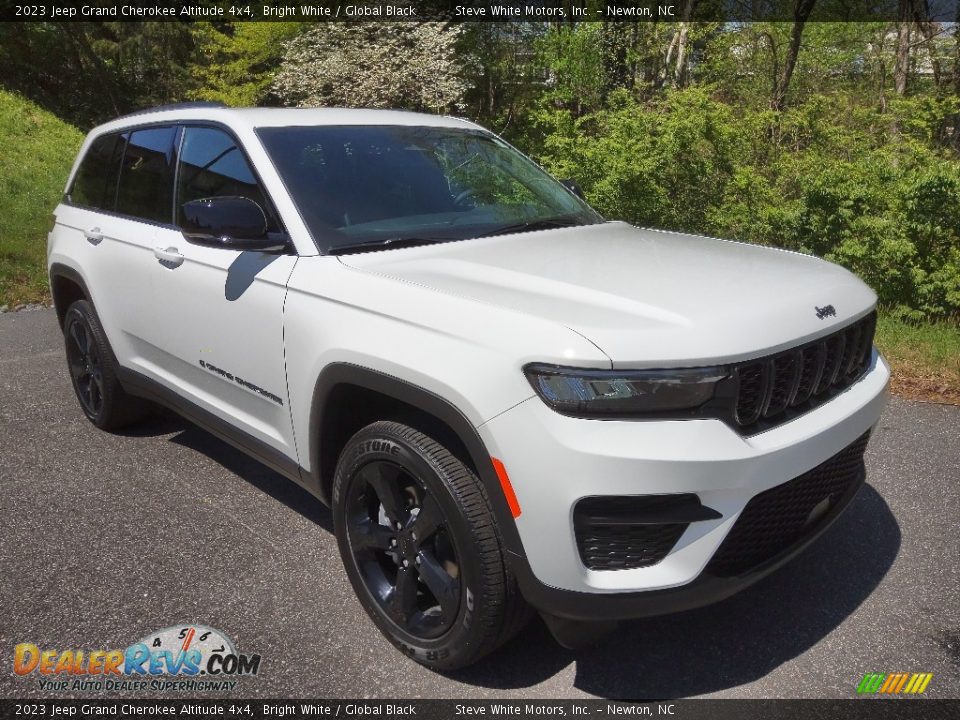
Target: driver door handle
x,y
94,236
170,257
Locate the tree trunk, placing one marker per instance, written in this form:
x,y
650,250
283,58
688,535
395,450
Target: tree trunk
x,y
668,60
801,11
901,67
680,71
930,29
956,54
491,95
956,78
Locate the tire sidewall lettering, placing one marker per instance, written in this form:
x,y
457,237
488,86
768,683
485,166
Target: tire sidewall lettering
x,y
376,445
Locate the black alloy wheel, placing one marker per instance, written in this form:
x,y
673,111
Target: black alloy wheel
x,y
94,371
401,545
86,366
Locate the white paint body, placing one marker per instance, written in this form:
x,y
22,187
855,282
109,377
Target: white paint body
x,y
461,319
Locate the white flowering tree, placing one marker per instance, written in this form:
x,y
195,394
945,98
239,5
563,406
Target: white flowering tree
x,y
374,65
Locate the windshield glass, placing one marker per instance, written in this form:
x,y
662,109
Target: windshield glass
x,y
355,185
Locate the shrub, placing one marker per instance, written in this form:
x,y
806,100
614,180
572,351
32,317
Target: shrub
x,y
815,179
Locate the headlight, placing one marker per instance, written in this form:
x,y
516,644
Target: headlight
x,y
623,392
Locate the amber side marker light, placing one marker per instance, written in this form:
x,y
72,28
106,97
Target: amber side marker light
x,y
506,487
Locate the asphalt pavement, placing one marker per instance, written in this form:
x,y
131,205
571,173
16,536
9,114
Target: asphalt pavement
x,y
107,538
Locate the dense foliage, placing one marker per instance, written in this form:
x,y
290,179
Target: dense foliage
x,y
812,180
853,159
86,72
839,139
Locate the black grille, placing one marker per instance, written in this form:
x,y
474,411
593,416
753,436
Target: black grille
x,y
608,540
780,517
627,546
779,387
751,392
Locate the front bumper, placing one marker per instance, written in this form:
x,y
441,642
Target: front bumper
x,y
554,461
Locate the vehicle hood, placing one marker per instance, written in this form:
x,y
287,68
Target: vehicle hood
x,y
645,297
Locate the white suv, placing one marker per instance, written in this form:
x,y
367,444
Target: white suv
x,y
507,401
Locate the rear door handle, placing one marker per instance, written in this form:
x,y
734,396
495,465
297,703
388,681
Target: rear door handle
x,y
169,257
94,236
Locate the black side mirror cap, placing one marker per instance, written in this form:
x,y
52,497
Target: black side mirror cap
x,y
229,222
574,187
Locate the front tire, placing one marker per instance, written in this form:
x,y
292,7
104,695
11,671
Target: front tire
x,y
93,371
420,545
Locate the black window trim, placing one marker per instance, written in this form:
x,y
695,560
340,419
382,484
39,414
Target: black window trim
x,y
181,126
123,137
178,147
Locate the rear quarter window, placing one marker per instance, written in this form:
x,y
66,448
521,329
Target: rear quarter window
x,y
95,184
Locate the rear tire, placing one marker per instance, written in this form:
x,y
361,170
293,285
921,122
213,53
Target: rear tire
x,y
93,371
421,547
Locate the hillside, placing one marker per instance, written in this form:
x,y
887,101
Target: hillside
x,y
37,153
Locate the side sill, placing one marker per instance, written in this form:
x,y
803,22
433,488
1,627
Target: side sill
x,y
149,389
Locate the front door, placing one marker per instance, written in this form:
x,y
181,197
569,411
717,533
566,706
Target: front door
x,y
221,310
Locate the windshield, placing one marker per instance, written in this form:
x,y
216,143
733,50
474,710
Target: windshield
x,y
360,186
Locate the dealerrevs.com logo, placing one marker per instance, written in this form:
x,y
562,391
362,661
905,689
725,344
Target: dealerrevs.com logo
x,y
182,657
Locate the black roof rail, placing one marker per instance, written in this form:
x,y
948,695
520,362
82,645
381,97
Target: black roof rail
x,y
175,106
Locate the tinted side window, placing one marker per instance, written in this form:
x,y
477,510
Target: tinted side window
x,y
212,165
95,184
146,179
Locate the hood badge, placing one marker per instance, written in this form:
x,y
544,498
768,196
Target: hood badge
x,y
825,311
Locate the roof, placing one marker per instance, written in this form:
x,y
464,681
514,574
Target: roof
x,y
280,117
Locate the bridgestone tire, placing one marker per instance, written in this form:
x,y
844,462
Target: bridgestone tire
x,y
490,610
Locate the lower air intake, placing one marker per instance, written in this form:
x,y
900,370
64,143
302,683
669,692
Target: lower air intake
x,y
779,518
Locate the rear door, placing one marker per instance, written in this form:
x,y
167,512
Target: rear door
x,y
219,312
143,206
114,231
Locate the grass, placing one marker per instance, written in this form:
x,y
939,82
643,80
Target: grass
x,y
925,358
38,151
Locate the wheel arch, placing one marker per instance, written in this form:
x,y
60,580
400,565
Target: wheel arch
x,y
66,287
348,397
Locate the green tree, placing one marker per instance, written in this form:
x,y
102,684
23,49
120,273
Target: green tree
x,y
504,74
88,72
236,62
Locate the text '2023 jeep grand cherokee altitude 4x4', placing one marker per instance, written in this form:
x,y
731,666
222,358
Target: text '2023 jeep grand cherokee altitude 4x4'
x,y
508,402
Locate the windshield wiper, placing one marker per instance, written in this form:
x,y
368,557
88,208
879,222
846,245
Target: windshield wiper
x,y
398,242
531,225
386,244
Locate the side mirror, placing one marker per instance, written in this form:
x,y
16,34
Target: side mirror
x,y
573,187
233,223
